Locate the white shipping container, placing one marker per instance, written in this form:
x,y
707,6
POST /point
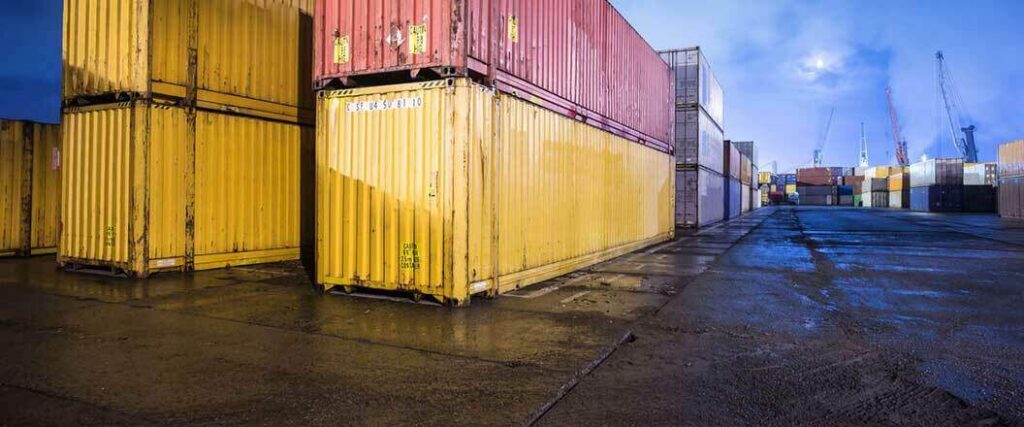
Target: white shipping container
x,y
698,141
937,172
696,84
981,174
699,196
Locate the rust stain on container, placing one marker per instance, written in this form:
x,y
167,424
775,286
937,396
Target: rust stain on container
x,y
450,189
29,185
128,184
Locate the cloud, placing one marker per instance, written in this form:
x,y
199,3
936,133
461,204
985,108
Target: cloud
x,y
766,55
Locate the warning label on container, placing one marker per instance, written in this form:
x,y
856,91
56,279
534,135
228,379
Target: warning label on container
x,y
418,39
384,104
410,257
513,29
341,50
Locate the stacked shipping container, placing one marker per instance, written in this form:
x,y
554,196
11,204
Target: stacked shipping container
x,y
733,198
1011,180
937,185
29,187
187,133
434,186
699,140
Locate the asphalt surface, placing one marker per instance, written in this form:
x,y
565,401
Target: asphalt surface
x,y
788,316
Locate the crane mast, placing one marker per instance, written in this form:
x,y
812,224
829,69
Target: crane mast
x,y
902,158
863,147
819,150
955,111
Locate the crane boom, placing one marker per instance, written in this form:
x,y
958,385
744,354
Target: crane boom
x,y
955,112
897,132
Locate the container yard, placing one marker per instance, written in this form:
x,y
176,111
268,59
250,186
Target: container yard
x,y
447,212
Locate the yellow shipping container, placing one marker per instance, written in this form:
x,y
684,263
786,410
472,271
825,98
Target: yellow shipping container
x,y
449,189
790,188
764,178
146,193
254,54
896,182
29,185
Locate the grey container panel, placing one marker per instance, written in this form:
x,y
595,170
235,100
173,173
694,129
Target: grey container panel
x,y
745,198
698,140
699,195
695,82
937,198
733,199
1011,197
937,172
749,149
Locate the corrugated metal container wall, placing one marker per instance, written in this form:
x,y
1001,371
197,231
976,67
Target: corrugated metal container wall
x,y
980,198
259,50
695,83
744,198
446,189
29,185
580,51
749,149
733,198
46,160
731,161
12,187
1011,159
937,198
1011,197
698,141
699,196
122,161
937,172
746,170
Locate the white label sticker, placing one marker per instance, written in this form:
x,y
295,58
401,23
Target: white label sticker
x,y
170,262
384,104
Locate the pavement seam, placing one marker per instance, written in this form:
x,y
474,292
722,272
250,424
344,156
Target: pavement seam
x,y
565,389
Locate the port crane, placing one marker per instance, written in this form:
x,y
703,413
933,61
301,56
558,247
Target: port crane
x,y
902,158
820,148
863,148
956,113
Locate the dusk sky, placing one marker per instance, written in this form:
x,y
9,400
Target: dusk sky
x,y
783,66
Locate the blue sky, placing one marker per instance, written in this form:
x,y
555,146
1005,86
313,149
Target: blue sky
x,y
766,55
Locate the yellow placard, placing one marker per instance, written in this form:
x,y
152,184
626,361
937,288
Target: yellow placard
x,y
418,39
513,29
341,50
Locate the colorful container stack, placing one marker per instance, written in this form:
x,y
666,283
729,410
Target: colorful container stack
x,y
29,187
817,186
875,187
899,190
699,139
732,202
751,191
937,185
456,158
1011,180
187,134
981,187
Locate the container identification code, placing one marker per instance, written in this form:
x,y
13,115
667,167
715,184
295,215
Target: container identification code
x,y
410,257
384,104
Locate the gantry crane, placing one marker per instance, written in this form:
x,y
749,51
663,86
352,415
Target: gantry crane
x,y
956,112
902,158
820,148
863,148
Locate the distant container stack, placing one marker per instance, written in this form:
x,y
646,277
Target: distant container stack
x,y
187,136
875,187
432,133
937,185
1011,180
701,169
899,190
29,187
733,198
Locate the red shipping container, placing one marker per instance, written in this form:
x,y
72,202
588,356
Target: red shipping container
x,y
814,176
577,57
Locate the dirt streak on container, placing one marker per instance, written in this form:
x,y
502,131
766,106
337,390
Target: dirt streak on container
x,y
29,185
581,57
126,189
449,189
255,54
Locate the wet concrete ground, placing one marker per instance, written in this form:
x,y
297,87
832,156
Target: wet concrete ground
x,y
786,316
